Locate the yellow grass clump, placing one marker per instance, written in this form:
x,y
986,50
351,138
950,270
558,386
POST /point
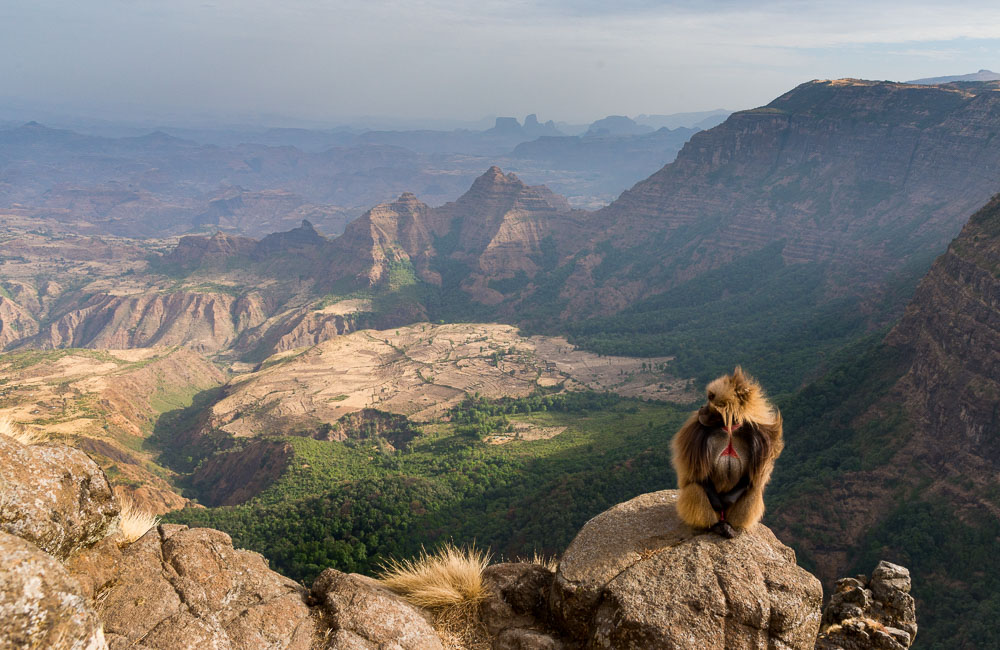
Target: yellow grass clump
x,y
135,520
542,560
449,578
18,432
449,583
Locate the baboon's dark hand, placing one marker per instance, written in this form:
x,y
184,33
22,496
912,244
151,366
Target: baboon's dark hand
x,y
724,529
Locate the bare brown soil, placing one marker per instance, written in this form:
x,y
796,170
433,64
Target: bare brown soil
x,y
421,371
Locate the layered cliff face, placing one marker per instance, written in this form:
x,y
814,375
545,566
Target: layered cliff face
x,y
859,174
396,232
494,231
952,327
207,322
897,447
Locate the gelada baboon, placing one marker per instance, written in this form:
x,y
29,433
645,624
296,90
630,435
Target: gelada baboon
x,y
724,455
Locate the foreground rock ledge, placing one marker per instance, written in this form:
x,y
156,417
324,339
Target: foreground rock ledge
x,y
40,604
54,496
636,576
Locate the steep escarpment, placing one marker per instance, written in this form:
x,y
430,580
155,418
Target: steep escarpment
x,y
952,327
869,172
107,403
806,221
897,445
207,322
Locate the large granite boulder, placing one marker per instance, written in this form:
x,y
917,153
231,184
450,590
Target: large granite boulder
x,y
363,615
177,587
875,614
54,496
41,606
636,576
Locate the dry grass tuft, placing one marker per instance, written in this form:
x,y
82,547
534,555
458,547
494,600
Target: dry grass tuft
x,y
19,432
450,577
135,521
550,563
449,582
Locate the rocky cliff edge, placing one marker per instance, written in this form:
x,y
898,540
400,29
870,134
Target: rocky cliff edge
x,y
634,577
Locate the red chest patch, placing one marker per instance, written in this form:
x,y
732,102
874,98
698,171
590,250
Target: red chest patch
x,y
729,451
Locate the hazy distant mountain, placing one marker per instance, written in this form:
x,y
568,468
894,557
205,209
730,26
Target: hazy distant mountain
x,y
618,125
158,184
698,119
614,162
982,75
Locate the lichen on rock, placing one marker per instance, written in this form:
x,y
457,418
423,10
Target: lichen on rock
x,y
41,605
54,496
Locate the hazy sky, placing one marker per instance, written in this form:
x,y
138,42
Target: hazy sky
x,y
565,60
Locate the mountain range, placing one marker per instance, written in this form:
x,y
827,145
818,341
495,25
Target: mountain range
x,y
824,240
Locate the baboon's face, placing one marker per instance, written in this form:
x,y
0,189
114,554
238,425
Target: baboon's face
x,y
730,454
728,449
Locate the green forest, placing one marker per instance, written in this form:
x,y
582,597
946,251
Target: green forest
x,y
353,504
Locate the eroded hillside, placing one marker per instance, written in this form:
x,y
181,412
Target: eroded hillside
x,y
107,403
894,453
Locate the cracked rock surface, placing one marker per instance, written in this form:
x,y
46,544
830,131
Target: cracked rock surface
x,y
40,604
365,615
178,587
636,576
866,614
54,496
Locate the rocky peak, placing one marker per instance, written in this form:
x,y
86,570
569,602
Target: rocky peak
x,y
304,236
876,613
399,231
495,192
636,576
407,198
494,181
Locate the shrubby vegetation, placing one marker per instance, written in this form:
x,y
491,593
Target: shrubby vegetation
x,y
955,571
953,563
756,308
351,506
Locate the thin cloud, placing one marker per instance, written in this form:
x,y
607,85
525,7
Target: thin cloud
x,y
575,60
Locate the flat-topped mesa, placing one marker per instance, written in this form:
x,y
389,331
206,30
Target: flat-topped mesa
x,y
196,251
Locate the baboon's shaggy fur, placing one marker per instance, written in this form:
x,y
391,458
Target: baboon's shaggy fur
x,y
736,403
